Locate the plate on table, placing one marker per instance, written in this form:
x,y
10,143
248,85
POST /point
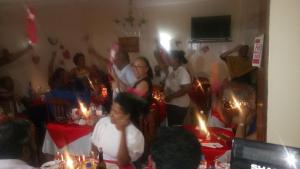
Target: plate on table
x,y
212,145
51,165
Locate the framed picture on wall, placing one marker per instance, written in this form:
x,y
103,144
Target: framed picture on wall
x,y
130,44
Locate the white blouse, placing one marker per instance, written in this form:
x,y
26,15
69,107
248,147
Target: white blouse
x,y
174,80
107,136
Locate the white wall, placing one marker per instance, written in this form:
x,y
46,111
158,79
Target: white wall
x,y
283,78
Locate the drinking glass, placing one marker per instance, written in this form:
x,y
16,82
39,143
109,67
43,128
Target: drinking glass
x,y
203,164
221,165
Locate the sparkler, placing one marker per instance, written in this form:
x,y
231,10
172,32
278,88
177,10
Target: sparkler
x,y
199,85
91,84
202,125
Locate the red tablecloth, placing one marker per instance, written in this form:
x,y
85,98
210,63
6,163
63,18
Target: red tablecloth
x,y
218,135
63,134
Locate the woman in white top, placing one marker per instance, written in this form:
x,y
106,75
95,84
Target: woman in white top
x,y
117,135
177,85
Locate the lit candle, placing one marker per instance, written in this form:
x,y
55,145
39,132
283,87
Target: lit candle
x,y
69,162
83,109
61,157
83,158
57,157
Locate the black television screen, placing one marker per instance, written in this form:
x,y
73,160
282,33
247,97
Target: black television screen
x,y
211,27
248,154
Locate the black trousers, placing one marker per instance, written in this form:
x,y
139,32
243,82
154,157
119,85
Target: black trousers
x,y
175,114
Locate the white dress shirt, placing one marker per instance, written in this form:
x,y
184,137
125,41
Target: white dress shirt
x,y
14,164
126,75
108,137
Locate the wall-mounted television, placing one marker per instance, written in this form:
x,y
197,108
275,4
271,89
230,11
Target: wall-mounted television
x,y
211,28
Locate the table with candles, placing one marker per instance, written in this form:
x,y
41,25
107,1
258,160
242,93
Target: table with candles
x,y
67,161
214,141
73,136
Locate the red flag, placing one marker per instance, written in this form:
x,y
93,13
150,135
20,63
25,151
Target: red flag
x,y
31,26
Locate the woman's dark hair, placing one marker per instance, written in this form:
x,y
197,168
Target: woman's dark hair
x,y
132,105
14,135
56,77
179,56
175,148
76,58
145,60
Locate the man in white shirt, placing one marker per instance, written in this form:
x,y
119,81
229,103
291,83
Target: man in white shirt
x,y
122,68
14,144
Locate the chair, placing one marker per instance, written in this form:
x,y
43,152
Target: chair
x,y
8,104
58,110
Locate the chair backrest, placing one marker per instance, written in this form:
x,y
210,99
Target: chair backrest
x,y
59,109
8,104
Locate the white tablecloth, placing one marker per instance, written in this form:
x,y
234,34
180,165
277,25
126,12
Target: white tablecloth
x,y
78,147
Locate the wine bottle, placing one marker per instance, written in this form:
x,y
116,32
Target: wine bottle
x,y
101,163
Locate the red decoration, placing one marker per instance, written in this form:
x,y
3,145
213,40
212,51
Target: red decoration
x,y
66,54
52,41
104,92
31,26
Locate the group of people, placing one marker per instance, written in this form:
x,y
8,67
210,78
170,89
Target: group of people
x,y
128,133
124,135
173,148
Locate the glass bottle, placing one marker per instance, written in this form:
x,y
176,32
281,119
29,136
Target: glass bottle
x,y
101,163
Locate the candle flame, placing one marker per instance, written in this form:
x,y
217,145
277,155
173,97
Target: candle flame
x,y
83,109
69,161
202,125
156,95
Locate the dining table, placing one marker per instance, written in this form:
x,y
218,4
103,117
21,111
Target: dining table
x,y
214,145
70,137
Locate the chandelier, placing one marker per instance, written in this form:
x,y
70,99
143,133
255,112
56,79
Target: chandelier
x,y
131,25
